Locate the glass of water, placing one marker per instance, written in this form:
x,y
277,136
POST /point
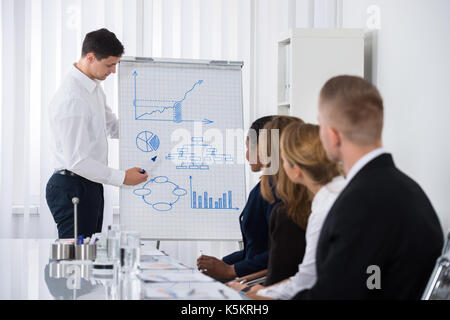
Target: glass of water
x,y
130,243
113,243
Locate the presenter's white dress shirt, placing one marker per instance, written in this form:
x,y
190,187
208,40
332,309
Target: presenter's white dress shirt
x,y
306,276
80,122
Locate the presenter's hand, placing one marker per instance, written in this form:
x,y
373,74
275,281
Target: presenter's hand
x,y
215,268
133,176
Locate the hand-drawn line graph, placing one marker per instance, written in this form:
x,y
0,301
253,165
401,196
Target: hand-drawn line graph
x,y
222,203
162,110
147,141
198,155
160,188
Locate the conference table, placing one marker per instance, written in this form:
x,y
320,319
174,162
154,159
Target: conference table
x,y
28,273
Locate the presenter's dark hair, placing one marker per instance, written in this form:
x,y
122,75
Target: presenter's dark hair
x,y
103,43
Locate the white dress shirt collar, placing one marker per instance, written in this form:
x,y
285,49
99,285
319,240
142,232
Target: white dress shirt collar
x,y
85,81
362,162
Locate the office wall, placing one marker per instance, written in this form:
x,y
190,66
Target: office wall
x,y
407,58
411,68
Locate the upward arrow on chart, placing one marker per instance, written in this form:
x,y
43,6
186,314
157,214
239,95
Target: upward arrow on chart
x,y
199,82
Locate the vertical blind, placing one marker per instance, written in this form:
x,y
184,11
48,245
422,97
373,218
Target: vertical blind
x,y
40,39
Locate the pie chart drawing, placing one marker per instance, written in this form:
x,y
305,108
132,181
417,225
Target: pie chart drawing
x,y
147,141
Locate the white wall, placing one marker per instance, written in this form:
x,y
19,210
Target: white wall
x,y
408,59
411,68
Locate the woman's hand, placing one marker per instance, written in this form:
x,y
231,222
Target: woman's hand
x,y
252,293
215,268
236,285
255,289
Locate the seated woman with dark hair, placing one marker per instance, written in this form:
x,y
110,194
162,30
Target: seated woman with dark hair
x,y
289,217
254,222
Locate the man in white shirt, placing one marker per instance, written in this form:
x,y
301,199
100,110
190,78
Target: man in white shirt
x,y
80,122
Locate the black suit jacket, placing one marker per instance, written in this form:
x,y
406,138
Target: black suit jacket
x,y
381,218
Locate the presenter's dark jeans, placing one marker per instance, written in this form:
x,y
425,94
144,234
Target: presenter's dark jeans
x,y
59,193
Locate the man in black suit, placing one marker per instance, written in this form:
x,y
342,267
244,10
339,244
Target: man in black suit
x,y
382,237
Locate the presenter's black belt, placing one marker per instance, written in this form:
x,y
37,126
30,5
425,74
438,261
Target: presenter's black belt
x,y
65,172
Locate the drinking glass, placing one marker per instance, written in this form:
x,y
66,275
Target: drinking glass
x,y
130,243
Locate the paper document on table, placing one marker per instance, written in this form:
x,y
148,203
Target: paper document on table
x,y
181,293
164,265
174,277
149,252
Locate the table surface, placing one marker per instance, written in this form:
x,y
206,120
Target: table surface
x,y
27,273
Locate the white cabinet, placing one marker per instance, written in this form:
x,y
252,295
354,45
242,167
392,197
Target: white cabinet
x,y
307,58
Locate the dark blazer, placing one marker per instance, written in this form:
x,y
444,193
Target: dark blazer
x,y
286,247
254,222
381,218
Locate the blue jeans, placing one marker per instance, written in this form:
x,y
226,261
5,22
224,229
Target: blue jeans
x,y
59,193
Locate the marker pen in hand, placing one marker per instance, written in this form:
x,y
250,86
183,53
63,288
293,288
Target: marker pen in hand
x,y
142,171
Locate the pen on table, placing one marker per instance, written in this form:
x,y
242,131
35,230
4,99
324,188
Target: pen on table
x,y
191,292
223,293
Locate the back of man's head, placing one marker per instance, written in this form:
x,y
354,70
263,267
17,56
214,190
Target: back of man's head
x,y
354,107
103,43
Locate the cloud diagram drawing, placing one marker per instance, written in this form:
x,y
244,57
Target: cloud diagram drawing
x,y
160,193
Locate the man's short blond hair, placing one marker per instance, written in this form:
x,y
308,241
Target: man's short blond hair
x,y
354,107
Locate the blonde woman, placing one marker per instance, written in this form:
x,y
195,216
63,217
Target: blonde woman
x,y
305,163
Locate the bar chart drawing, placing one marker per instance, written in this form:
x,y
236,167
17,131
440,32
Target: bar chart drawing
x,y
202,200
198,155
162,109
